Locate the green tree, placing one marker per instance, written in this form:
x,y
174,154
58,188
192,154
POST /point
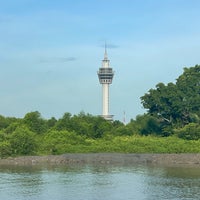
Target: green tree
x,y
90,126
163,102
146,124
176,104
51,122
100,127
3,122
5,149
190,131
12,127
189,85
6,121
64,123
35,122
57,142
23,141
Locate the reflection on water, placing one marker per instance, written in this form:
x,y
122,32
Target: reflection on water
x,y
102,182
173,183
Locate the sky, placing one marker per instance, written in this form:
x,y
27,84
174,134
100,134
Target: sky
x,y
50,52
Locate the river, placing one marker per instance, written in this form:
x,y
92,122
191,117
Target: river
x,y
99,182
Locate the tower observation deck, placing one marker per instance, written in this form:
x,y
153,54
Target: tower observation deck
x,y
105,75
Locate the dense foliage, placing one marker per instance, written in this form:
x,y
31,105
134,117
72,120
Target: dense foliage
x,y
175,105
34,135
173,111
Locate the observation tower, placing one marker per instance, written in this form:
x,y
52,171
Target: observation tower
x,y
105,75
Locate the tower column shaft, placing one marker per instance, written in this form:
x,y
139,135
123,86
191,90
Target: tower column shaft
x,y
105,99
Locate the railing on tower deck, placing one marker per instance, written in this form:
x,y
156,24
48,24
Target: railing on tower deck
x,y
105,75
105,70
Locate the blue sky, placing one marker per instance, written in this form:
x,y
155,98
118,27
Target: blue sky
x,y
50,52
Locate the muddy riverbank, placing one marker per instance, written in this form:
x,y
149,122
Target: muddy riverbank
x,y
106,158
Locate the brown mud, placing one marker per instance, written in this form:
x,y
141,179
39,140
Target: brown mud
x,y
106,158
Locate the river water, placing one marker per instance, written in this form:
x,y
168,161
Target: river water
x,y
102,182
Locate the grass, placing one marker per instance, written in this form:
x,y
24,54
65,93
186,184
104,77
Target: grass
x,y
60,142
124,144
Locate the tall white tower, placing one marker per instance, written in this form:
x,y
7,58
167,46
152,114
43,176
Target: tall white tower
x,y
105,75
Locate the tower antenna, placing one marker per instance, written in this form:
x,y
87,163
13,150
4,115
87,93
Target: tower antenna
x,y
105,54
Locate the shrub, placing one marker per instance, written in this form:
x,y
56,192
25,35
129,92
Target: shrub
x,y
57,142
23,141
5,149
189,132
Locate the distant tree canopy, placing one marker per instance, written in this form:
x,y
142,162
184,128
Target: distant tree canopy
x,y
82,124
33,133
176,104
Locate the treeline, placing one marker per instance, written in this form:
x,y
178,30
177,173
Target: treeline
x,y
34,135
171,125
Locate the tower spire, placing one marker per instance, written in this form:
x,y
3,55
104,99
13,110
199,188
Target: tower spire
x,y
105,54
